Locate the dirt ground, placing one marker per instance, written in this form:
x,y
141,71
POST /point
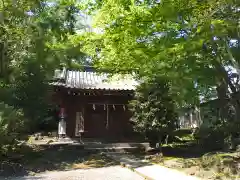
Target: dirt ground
x,y
104,173
30,160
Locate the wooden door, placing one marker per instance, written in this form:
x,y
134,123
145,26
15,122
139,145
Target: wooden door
x,y
95,121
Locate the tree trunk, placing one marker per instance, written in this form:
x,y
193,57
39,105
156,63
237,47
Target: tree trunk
x,y
223,100
223,89
166,140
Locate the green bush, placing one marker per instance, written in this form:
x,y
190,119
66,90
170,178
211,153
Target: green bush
x,y
211,137
11,125
153,107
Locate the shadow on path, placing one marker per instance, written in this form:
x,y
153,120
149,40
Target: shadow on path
x,y
30,160
128,159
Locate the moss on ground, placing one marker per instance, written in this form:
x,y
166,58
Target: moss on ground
x,y
224,166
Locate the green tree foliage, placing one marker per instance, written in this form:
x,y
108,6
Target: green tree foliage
x,y
189,42
11,126
154,109
174,38
35,39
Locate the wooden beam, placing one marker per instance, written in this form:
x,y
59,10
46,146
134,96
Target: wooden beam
x,y
107,117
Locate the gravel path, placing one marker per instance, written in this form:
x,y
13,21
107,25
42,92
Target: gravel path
x,y
106,173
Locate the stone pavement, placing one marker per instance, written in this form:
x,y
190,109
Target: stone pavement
x,y
157,172
105,173
148,170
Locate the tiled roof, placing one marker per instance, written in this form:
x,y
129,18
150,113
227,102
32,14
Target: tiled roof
x,y
93,80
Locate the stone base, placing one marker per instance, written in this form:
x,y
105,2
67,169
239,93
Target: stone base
x,y
238,148
64,139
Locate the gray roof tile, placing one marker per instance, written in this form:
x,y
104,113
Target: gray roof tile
x,y
93,80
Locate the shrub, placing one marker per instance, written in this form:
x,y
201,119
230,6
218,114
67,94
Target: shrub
x,y
153,109
11,125
211,137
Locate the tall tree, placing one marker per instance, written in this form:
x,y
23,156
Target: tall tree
x,y
188,41
192,43
35,40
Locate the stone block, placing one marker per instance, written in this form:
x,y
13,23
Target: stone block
x,y
238,148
